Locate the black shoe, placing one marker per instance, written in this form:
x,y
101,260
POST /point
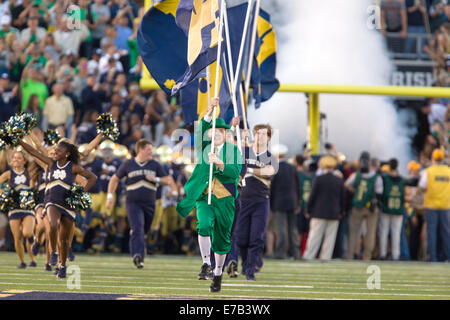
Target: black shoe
x,y
70,255
232,269
206,272
62,273
216,284
48,267
33,264
138,261
22,266
56,271
35,248
250,277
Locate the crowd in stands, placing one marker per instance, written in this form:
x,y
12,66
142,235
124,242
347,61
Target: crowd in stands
x,y
69,64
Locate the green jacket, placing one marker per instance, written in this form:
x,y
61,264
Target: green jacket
x,y
224,182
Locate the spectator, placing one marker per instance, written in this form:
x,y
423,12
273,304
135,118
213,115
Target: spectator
x,y
394,20
32,34
33,108
284,204
31,83
415,210
392,211
9,101
103,17
89,19
92,95
93,62
156,108
87,130
6,28
19,19
437,14
435,111
50,74
108,38
110,62
4,57
366,186
326,206
124,32
51,48
69,40
435,183
58,110
416,10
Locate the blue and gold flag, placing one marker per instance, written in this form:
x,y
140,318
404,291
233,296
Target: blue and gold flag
x,y
199,19
267,57
162,44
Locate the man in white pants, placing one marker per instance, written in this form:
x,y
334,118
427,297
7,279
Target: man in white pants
x,y
326,205
393,207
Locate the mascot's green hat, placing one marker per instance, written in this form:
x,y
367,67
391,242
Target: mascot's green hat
x,y
220,123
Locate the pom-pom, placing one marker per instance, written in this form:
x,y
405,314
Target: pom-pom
x,y
77,198
16,128
27,199
107,126
51,137
7,198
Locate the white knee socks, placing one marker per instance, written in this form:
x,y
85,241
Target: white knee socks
x,y
205,248
220,261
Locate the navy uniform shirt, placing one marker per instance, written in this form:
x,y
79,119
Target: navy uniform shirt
x,y
256,187
59,180
111,168
139,189
96,168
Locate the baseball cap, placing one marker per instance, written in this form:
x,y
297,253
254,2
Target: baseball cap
x,y
5,20
414,165
438,154
4,75
98,51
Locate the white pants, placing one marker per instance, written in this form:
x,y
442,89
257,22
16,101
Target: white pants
x,y
319,228
390,223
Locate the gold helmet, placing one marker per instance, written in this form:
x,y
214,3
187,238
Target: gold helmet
x,y
188,170
82,148
107,144
121,152
165,153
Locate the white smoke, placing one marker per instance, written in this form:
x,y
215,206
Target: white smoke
x,y
329,42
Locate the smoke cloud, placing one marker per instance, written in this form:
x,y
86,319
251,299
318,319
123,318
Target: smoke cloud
x,y
329,42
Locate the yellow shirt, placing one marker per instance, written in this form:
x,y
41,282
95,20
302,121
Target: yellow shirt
x,y
437,194
58,109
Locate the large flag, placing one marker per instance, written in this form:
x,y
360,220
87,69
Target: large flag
x,y
263,75
267,57
194,96
162,44
199,19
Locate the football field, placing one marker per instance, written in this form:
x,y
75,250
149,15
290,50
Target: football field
x,y
110,276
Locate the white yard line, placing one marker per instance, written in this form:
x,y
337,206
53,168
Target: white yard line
x,y
249,290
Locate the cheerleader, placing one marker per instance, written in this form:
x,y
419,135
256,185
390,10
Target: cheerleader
x,y
21,221
62,170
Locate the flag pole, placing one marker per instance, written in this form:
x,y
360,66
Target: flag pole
x,y
241,53
231,79
230,63
216,93
252,52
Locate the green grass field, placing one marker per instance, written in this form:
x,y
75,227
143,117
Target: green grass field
x,y
175,277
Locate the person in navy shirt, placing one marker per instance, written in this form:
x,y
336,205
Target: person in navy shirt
x,y
21,222
62,170
142,176
253,218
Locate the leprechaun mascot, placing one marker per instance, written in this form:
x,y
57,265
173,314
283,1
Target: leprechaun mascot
x,y
214,220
